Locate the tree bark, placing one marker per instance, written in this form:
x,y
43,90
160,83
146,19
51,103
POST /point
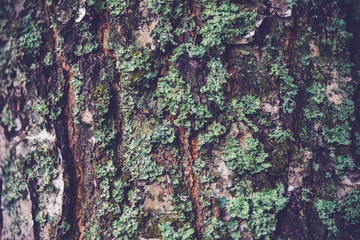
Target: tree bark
x,y
129,119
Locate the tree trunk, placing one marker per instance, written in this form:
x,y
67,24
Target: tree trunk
x,y
129,119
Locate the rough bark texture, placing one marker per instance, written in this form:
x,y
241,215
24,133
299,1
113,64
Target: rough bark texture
x,y
129,119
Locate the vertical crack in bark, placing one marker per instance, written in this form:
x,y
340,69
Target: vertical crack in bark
x,y
199,225
105,27
192,182
232,80
295,119
73,158
232,70
34,198
352,23
296,206
195,11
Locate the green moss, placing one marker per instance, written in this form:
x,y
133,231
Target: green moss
x,y
127,224
249,160
48,60
280,161
76,83
164,133
30,39
224,22
259,209
288,89
344,163
136,76
117,7
42,164
175,96
92,232
214,88
87,43
329,188
167,12
148,224
7,119
168,232
337,36
101,95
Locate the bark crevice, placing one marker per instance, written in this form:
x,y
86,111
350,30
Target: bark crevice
x,y
191,180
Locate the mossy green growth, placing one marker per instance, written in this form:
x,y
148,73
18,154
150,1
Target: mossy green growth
x,y
165,133
242,110
250,104
41,218
222,23
138,160
281,136
279,160
87,43
105,136
337,36
214,88
194,50
166,11
6,118
340,134
76,83
168,232
326,211
106,172
314,110
149,223
118,191
42,164
174,96
117,7
48,60
183,208
212,135
288,89
124,218
15,187
102,97
136,76
127,225
344,163
265,205
55,109
135,65
259,209
105,131
351,208
215,229
357,143
92,232
249,160
239,208
133,58
39,111
30,39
